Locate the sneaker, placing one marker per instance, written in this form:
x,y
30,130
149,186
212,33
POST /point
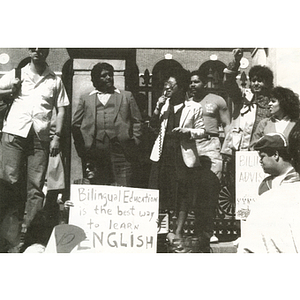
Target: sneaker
x,y
170,237
178,247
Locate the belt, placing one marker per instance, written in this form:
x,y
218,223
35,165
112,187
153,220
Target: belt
x,y
210,135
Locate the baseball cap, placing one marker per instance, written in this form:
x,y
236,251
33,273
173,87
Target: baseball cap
x,y
271,140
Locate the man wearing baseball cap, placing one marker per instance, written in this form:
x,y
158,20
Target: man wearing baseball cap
x,y
276,161
273,225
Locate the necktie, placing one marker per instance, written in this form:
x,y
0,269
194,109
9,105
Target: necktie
x,y
170,126
171,118
160,142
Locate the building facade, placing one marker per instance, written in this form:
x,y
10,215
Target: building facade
x,y
143,71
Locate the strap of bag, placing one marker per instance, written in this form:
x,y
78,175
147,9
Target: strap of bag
x,y
17,75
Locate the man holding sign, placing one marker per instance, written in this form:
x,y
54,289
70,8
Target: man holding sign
x,y
273,225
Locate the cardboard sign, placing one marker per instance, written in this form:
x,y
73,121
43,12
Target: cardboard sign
x,y
115,219
249,175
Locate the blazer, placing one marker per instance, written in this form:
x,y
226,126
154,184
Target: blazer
x,y
192,119
127,121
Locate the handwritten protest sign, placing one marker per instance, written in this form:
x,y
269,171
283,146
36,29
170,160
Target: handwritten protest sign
x,y
249,175
115,219
64,238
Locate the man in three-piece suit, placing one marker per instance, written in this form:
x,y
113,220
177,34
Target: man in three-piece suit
x,y
106,128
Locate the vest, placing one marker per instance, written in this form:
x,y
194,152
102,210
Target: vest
x,y
104,120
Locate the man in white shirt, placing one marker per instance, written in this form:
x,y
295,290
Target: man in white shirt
x,y
276,161
273,225
26,138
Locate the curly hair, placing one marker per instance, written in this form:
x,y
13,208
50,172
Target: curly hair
x,y
288,101
181,76
97,69
263,73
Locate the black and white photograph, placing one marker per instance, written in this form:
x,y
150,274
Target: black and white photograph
x,y
173,149
152,150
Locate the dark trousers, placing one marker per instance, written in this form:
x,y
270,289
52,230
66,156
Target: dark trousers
x,y
173,179
207,187
111,163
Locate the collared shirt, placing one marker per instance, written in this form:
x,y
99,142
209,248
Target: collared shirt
x,y
273,225
277,180
252,112
272,182
103,97
280,125
34,105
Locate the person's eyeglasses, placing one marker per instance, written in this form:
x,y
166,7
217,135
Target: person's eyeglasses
x,y
172,85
